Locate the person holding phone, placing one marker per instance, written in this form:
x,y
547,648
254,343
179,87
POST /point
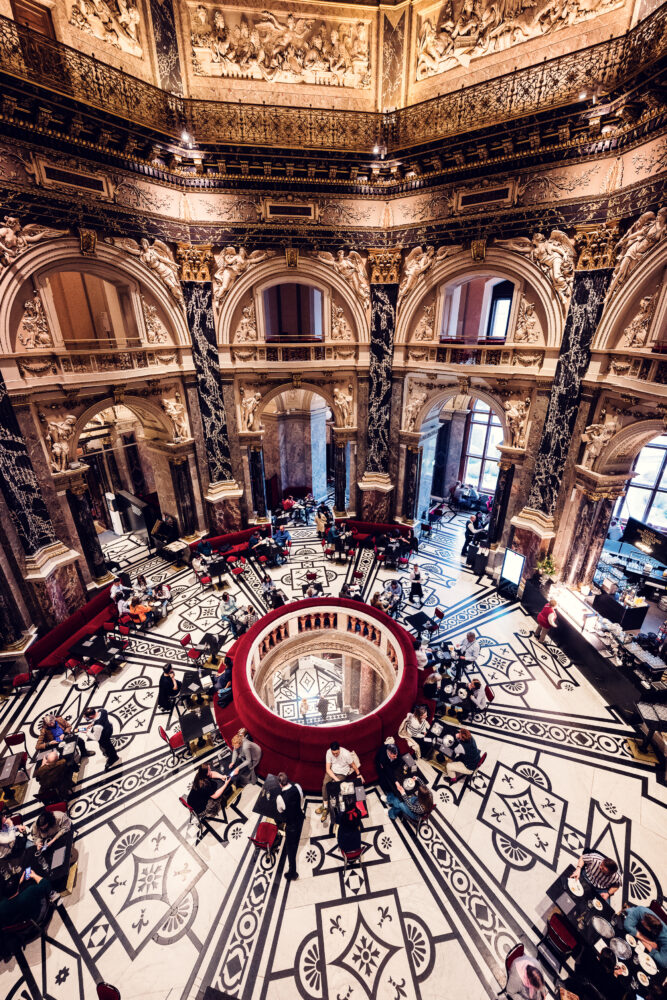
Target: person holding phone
x,y
26,896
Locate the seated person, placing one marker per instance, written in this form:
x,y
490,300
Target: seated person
x,y
349,827
394,592
26,899
281,537
54,729
162,595
50,827
600,970
313,589
123,606
388,765
346,591
140,613
118,590
464,756
468,652
431,686
267,587
199,565
339,764
206,792
246,755
54,776
413,730
648,928
278,598
525,981
226,612
12,835
205,548
474,701
168,688
288,503
600,873
378,601
412,799
381,541
223,683
143,587
247,618
393,549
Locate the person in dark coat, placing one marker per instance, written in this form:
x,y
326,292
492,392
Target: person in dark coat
x,y
289,804
168,688
388,766
100,717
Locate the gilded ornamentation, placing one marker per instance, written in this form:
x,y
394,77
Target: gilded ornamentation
x,y
58,436
231,264
15,238
636,332
292,256
113,21
596,437
385,266
527,329
249,403
424,328
279,48
553,255
178,415
340,328
158,258
194,261
246,331
596,246
641,237
469,29
87,242
478,250
33,329
516,414
351,267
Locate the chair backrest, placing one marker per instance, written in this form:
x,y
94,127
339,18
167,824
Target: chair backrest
x,y
512,955
107,992
490,696
184,801
438,613
60,807
659,911
481,761
15,739
185,639
351,855
163,734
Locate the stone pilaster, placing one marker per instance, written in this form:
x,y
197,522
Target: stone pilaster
x,y
257,484
78,499
582,537
413,455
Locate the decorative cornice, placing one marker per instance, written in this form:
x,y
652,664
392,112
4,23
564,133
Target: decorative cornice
x,y
194,261
595,246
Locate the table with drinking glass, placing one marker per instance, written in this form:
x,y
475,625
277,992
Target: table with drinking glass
x,y
197,724
419,621
66,748
10,766
638,968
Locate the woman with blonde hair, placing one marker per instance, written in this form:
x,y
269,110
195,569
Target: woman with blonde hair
x,y
246,755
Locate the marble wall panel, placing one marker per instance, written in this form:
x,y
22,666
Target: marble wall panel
x,y
166,46
393,41
318,452
383,321
59,595
295,457
426,478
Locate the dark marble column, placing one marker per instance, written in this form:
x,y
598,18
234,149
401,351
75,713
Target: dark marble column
x,y
79,504
257,484
413,457
166,46
185,501
438,486
500,501
19,485
11,622
340,476
591,518
583,317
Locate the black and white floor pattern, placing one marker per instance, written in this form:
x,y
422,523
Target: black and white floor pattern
x,y
424,916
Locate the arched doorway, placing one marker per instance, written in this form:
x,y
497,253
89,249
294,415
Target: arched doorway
x,y
297,443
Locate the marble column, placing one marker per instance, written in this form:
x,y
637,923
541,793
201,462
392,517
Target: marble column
x,y
12,627
375,483
340,476
182,483
366,689
413,457
438,485
585,525
166,46
257,484
78,499
501,498
223,493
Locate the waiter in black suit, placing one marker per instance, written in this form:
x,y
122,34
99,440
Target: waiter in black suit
x,y
100,717
289,804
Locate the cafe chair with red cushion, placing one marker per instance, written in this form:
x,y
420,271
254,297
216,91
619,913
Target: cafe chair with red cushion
x,y
94,670
434,625
488,692
240,569
175,742
107,992
24,682
16,744
205,581
202,825
352,855
266,838
559,936
510,958
56,807
467,778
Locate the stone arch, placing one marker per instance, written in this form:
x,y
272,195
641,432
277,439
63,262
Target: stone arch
x,y
621,451
109,262
507,265
624,302
309,271
435,402
318,390
140,407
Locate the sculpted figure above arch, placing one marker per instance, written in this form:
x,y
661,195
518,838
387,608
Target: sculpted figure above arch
x,y
554,255
15,238
158,257
351,267
231,264
642,236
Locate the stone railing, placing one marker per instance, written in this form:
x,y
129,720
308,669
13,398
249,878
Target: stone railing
x,y
556,82
489,355
66,362
290,353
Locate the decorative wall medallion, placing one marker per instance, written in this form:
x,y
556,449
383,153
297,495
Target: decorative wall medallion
x,y
116,22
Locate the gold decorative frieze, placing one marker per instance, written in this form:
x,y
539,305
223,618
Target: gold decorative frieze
x,y
385,266
194,261
595,246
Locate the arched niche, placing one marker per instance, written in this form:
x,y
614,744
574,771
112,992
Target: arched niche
x,y
305,387
622,450
32,269
151,416
648,279
527,278
249,288
452,394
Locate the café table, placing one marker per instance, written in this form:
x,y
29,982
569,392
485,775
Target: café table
x,y
53,862
654,718
597,937
91,647
419,621
65,748
572,905
10,766
196,724
194,685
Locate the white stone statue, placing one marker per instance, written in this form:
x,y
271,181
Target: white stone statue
x,y
15,238
156,331
416,263
113,21
246,331
636,332
340,328
554,256
516,414
596,437
178,415
640,238
527,329
353,269
158,258
249,403
424,328
413,408
345,403
232,263
58,436
33,329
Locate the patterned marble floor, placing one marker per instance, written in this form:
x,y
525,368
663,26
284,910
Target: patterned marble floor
x,y
424,916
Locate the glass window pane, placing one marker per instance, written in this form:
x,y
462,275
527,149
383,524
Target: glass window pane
x,y
635,503
490,476
657,514
481,407
495,438
472,471
476,440
648,466
499,318
663,481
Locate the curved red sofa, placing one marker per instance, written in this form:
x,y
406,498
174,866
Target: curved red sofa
x,y
300,750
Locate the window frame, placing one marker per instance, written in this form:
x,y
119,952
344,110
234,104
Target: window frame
x,y
650,490
492,420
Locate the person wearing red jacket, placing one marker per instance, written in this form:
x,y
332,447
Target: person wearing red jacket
x,y
546,620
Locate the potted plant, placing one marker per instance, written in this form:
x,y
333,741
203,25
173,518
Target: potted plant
x,y
547,568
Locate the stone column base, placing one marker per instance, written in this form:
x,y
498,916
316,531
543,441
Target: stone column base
x,y
224,509
532,531
375,489
56,583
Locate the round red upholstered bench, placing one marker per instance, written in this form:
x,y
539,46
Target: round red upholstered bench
x,y
300,750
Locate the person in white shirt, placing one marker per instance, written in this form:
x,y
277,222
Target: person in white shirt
x,y
469,651
615,532
421,655
117,590
474,701
340,764
123,606
199,565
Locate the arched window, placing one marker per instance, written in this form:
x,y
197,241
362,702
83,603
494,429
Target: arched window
x,y
476,309
93,311
484,433
293,312
646,499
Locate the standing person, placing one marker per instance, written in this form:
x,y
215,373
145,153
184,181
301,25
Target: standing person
x,y
600,872
100,724
416,591
246,756
470,532
168,688
289,804
467,753
323,707
304,708
546,620
320,524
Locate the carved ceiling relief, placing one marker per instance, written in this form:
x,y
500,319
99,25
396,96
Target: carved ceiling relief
x,y
116,22
459,31
279,48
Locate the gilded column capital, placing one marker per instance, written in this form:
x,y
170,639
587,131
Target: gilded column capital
x,y
385,265
194,261
595,246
